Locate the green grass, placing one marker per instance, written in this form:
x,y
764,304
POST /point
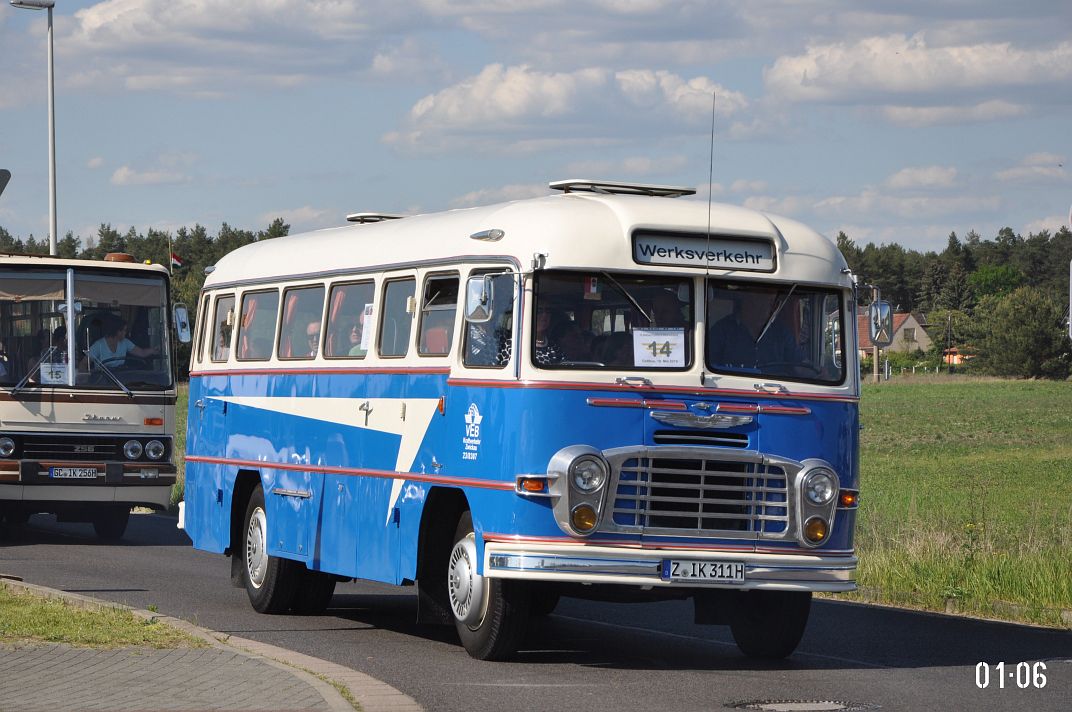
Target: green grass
x,y
180,442
26,617
966,496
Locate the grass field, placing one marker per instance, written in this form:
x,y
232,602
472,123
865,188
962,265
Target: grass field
x,y
967,496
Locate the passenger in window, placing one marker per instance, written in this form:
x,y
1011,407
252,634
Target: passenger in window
x,y
312,334
355,337
666,311
112,348
565,342
739,341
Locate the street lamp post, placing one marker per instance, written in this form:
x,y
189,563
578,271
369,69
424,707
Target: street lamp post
x,y
48,5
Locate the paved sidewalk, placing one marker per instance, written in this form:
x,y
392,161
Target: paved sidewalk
x,y
231,674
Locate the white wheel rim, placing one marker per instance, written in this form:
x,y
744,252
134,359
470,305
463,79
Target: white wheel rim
x,y
466,588
257,547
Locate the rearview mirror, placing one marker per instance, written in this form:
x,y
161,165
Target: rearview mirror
x,y
880,322
182,323
478,299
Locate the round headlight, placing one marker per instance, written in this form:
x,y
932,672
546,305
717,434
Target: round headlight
x,y
154,449
584,518
815,530
820,486
132,449
588,473
7,447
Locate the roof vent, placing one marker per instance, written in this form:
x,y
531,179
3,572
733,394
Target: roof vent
x,y
119,257
615,188
363,218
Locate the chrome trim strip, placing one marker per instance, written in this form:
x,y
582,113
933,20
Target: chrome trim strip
x,y
282,492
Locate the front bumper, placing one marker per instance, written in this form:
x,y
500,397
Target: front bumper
x,y
641,567
136,484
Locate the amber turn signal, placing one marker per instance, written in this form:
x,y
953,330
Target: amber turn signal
x,y
848,498
584,518
815,530
533,484
153,421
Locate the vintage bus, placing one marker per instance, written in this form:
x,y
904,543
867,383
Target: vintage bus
x,y
607,392
89,436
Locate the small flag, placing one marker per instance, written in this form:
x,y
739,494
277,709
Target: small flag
x,y
175,261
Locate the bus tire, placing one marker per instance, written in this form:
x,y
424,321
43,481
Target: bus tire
x,y
110,523
491,615
271,582
543,601
769,624
314,593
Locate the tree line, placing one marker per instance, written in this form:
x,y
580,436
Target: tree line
x,y
1002,301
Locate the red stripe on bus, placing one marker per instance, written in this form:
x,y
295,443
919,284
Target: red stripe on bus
x,y
416,370
353,472
703,392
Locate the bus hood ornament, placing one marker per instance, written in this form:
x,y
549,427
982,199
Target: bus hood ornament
x,y
709,422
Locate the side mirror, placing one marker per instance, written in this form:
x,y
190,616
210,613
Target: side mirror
x,y
478,299
880,322
182,323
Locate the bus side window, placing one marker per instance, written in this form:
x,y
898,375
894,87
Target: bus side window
x,y
490,345
438,308
256,330
397,318
202,330
349,320
223,325
303,310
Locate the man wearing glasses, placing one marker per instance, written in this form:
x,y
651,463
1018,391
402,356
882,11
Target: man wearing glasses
x,y
312,332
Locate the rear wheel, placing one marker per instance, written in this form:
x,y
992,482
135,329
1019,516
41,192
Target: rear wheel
x,y
769,624
271,582
491,615
110,523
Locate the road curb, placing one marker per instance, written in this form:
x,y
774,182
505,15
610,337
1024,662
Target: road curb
x,y
327,678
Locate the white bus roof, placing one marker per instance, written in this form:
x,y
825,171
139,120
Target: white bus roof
x,y
8,260
575,230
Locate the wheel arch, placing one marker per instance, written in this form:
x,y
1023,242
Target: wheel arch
x,y
245,482
442,510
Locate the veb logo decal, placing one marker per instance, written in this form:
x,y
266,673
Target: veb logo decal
x,y
471,441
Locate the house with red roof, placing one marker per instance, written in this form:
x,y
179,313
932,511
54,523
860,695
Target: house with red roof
x,y
908,334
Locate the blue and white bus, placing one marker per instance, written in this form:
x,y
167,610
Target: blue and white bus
x,y
607,392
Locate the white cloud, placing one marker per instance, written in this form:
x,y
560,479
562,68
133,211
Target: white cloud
x,y
994,110
1046,167
922,177
789,205
125,175
905,66
748,186
521,106
95,162
1053,223
304,218
632,166
486,196
871,202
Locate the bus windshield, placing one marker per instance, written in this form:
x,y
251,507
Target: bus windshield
x,y
775,331
600,320
120,338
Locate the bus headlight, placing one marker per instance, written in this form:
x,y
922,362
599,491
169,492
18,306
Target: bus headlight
x,y
132,449
7,447
820,487
588,473
154,449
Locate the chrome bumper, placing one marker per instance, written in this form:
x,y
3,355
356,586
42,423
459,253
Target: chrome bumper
x,y
147,495
614,565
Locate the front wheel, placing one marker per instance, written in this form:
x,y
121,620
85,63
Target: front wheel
x,y
491,615
271,582
769,624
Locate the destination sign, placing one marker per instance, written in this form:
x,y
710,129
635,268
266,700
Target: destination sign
x,y
714,253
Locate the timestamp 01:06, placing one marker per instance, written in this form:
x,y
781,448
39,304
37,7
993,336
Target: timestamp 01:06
x,y
1022,675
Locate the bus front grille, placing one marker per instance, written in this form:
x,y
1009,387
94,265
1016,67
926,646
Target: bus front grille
x,y
701,496
75,449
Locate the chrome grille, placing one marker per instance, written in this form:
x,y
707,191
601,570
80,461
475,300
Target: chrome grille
x,y
700,437
75,449
701,496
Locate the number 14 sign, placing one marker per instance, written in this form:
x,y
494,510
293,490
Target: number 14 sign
x,y
659,348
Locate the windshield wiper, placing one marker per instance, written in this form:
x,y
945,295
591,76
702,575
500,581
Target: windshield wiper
x,y
628,296
108,371
775,313
30,374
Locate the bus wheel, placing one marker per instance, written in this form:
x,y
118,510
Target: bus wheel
x,y
314,593
271,582
110,523
491,615
769,624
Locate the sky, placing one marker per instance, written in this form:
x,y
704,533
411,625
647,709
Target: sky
x,y
896,121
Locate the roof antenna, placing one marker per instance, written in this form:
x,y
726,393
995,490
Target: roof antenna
x,y
710,187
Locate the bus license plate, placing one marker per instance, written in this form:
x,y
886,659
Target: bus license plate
x,y
72,473
702,571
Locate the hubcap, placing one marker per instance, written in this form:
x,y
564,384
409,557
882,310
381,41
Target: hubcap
x,y
257,548
465,587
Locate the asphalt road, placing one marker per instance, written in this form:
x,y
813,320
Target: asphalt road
x,y
587,656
